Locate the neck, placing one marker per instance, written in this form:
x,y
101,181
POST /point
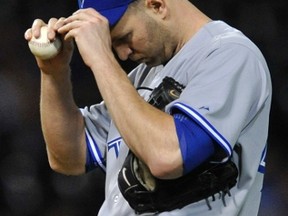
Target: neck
x,y
188,21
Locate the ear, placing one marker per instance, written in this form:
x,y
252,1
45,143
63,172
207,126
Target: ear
x,y
157,7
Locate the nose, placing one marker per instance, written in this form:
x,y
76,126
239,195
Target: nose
x,y
123,51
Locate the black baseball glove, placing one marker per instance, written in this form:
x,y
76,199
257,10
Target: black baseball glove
x,y
148,194
168,91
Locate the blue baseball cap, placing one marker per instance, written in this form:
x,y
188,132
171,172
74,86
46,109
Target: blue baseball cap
x,y
113,10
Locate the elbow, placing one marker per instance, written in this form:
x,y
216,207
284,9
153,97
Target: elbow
x,y
166,169
67,168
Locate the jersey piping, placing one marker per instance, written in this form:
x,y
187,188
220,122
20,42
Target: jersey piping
x,y
207,126
262,165
97,156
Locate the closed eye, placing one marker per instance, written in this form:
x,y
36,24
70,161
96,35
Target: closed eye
x,y
126,39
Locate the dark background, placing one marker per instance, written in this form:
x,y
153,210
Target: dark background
x,y
28,187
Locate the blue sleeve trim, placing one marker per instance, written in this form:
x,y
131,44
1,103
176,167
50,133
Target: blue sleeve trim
x,y
262,165
94,157
198,118
195,144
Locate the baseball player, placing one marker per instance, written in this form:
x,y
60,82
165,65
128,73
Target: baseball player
x,y
184,133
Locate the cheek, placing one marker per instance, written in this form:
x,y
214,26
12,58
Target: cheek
x,y
147,43
142,39
140,45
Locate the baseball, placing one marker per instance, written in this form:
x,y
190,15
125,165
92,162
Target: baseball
x,y
42,47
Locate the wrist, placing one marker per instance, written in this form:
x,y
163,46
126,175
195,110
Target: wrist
x,y
61,73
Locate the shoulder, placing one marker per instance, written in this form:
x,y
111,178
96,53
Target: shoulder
x,y
224,36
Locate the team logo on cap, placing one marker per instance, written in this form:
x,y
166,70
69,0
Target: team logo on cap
x,y
81,3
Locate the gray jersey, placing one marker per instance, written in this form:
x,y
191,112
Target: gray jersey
x,y
228,92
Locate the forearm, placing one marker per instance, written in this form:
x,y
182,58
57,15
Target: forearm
x,y
62,124
149,132
61,121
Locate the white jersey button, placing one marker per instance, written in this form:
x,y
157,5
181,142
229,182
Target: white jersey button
x,y
116,199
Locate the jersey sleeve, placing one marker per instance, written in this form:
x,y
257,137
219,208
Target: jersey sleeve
x,y
97,127
224,94
97,123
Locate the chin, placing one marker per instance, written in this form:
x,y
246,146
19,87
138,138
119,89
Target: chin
x,y
153,63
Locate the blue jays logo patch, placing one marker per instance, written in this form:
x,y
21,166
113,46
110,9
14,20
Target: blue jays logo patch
x,y
115,144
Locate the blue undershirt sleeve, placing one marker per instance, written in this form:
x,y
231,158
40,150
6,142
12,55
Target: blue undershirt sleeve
x,y
195,144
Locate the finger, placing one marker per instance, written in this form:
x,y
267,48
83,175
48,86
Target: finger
x,y
51,32
66,27
28,34
86,10
84,14
36,26
73,18
69,36
60,22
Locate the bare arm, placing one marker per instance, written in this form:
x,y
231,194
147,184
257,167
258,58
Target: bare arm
x,y
62,123
148,132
